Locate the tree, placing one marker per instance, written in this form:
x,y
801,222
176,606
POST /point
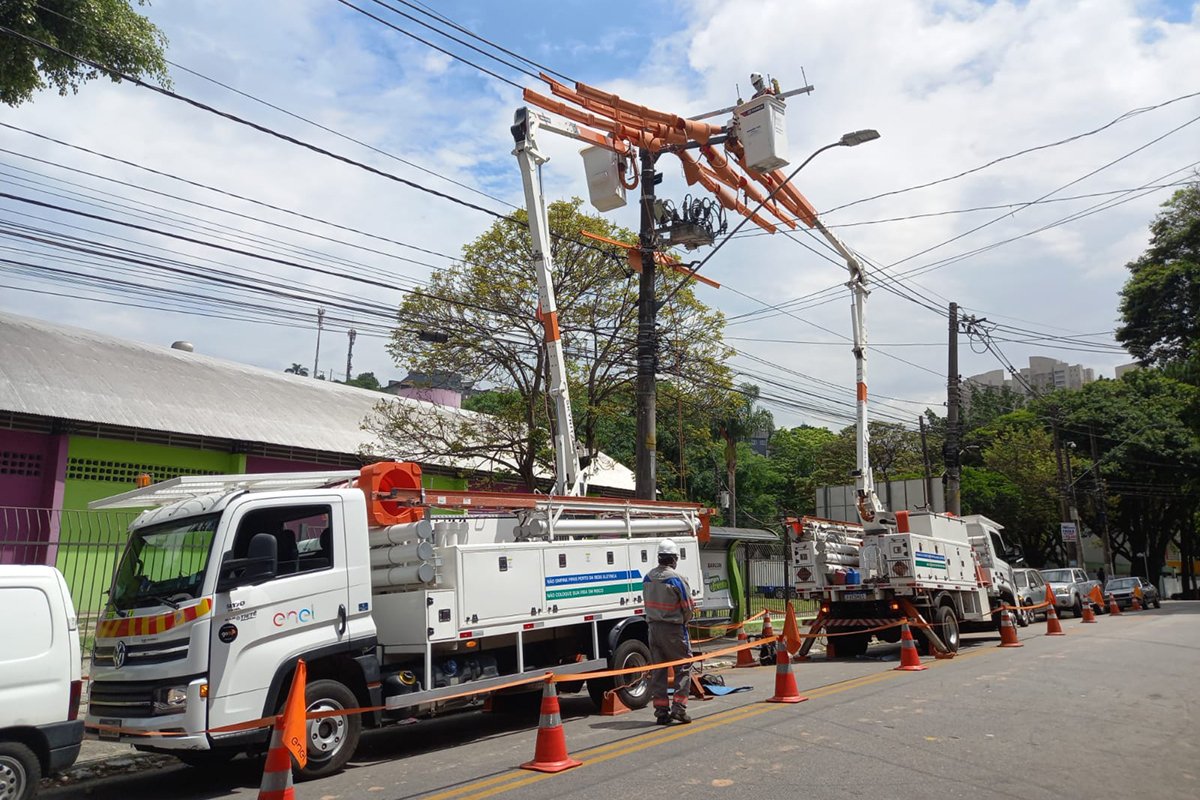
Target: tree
x,y
895,453
794,455
365,380
741,418
487,303
297,369
107,32
1160,303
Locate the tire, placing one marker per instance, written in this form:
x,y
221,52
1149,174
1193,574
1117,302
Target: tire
x,y
947,628
333,740
1158,602
1077,609
635,692
207,759
20,771
778,594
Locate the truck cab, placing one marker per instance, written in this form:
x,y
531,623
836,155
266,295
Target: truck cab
x,y
40,683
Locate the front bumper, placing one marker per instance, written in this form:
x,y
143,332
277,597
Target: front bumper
x,y
182,731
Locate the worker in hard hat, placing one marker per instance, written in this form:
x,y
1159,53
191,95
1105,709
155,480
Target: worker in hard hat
x,y
669,608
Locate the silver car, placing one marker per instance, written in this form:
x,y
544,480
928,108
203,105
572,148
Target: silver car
x,y
1031,590
1071,589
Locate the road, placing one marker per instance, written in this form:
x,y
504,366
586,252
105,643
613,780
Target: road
x,y
1107,711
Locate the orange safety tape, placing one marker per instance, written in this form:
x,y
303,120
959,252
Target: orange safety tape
x,y
1041,605
728,626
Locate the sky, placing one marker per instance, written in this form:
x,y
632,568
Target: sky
x,y
951,86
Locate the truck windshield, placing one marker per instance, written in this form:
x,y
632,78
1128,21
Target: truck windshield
x,y
1058,575
164,564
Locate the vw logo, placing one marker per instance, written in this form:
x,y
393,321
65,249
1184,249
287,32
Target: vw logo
x,y
119,655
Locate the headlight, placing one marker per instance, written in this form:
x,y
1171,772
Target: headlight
x,y
170,699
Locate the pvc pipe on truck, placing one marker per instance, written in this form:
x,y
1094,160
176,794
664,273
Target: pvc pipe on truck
x,y
402,576
399,534
401,554
616,527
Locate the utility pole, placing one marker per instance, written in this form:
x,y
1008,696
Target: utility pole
x,y
1101,504
353,334
951,451
1073,506
645,467
928,469
320,326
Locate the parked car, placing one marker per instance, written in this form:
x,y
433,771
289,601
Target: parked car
x,y
1122,590
1071,588
40,680
1031,590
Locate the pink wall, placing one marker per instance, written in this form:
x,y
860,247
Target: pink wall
x,y
32,476
257,464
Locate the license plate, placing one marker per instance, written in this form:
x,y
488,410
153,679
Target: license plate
x,y
854,596
105,735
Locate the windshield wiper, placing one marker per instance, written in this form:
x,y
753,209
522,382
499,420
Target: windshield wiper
x,y
162,598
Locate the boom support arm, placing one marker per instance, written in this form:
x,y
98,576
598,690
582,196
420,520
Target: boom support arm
x,y
568,473
869,507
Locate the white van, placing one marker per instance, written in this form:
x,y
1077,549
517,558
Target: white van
x,y
40,682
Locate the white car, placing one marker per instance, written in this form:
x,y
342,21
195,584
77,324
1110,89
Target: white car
x,y
40,679
1031,591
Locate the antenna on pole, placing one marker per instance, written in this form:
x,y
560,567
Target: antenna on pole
x,y
353,334
320,327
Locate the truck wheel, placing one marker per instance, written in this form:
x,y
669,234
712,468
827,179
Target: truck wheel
x,y
20,771
1077,609
633,689
852,646
206,759
332,740
947,628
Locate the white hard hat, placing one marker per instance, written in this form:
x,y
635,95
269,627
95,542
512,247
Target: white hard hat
x,y
667,547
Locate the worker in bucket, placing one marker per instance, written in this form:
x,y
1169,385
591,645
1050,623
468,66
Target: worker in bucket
x,y
669,608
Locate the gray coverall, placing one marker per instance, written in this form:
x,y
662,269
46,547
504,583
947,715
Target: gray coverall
x,y
669,608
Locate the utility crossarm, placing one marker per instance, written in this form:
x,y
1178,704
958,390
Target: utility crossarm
x,y
870,509
569,477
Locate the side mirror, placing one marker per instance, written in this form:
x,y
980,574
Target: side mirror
x,y
260,564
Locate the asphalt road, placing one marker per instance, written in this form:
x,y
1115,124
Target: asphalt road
x,y
1107,711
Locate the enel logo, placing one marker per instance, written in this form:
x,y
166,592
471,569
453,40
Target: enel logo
x,y
295,617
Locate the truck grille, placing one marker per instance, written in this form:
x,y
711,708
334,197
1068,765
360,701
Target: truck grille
x,y
128,699
139,654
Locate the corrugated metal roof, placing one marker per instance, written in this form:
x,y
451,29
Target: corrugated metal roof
x,y
742,534
59,371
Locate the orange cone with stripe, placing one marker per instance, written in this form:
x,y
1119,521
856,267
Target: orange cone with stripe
x,y
744,657
1096,596
767,631
288,741
1053,627
550,751
1088,614
613,705
786,690
1114,608
1136,605
1008,631
910,660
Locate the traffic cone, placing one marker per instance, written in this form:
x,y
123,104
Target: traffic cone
x,y
1088,614
277,772
1136,605
288,740
785,682
830,649
613,705
550,751
910,661
767,631
1008,631
744,657
1114,608
1053,628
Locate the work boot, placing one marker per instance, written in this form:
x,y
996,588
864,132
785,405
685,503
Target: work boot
x,y
662,717
679,714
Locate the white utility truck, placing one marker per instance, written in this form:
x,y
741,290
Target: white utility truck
x,y
949,571
228,580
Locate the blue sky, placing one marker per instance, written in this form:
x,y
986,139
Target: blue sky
x,y
950,85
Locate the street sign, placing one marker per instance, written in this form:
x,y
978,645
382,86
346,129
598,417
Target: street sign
x,y
1069,531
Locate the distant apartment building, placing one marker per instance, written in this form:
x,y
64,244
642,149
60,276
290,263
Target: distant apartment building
x,y
1126,368
1042,375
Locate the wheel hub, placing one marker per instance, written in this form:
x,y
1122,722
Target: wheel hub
x,y
325,736
12,779
637,685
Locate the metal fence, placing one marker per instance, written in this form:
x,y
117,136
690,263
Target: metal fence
x,y
85,546
764,572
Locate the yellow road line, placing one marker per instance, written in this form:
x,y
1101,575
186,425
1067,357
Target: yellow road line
x,y
598,755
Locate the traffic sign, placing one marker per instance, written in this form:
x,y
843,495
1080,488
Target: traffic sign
x,y
1069,532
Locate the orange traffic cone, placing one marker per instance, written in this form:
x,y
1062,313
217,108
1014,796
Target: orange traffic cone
x,y
288,739
550,751
1136,605
1053,628
830,649
1114,608
910,661
613,705
1088,614
1008,631
744,657
767,631
785,682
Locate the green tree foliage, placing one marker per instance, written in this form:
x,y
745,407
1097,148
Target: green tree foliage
x,y
1021,456
108,32
1160,303
794,456
741,418
297,369
895,454
487,303
365,380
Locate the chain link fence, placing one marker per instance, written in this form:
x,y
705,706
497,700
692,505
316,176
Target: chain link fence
x,y
85,546
764,570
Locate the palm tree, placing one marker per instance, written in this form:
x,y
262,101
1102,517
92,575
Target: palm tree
x,y
298,369
741,419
